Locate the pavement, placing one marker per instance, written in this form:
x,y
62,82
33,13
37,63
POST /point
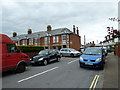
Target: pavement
x,y
110,80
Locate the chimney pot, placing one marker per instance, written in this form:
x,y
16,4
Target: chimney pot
x,y
29,31
74,28
49,28
14,34
77,31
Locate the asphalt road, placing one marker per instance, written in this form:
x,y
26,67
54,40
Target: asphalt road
x,y
63,74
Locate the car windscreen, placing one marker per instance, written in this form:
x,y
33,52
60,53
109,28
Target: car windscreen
x,y
92,51
43,52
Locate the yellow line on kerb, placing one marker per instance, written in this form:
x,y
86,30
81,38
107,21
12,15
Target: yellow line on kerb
x,y
94,82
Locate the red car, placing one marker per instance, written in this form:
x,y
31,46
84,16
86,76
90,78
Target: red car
x,y
11,57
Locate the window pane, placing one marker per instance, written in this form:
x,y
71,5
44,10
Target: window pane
x,y
11,48
64,37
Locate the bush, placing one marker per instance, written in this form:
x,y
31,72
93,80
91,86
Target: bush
x,y
24,48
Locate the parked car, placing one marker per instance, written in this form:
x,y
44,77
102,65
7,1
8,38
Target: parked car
x,y
69,52
46,56
93,57
12,57
106,50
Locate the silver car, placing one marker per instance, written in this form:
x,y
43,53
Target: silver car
x,y
69,52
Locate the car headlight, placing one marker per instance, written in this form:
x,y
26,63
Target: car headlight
x,y
99,59
40,59
81,58
30,59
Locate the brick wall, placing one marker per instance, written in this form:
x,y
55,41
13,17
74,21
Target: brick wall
x,y
75,42
117,49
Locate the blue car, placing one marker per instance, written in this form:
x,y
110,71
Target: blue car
x,y
93,57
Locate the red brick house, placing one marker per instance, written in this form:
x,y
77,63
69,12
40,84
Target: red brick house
x,y
57,38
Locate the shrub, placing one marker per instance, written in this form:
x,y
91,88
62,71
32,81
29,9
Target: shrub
x,y
24,48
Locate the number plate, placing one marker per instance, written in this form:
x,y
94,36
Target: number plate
x,y
89,63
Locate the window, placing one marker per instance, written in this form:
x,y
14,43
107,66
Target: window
x,y
55,39
47,40
30,41
64,37
37,41
11,48
25,42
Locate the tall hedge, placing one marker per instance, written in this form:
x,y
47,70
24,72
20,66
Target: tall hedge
x,y
24,48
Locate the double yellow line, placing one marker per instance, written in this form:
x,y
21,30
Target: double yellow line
x,y
94,82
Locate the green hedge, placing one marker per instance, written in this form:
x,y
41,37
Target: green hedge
x,y
24,48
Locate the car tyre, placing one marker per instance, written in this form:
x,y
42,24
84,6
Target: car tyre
x,y
58,59
102,66
72,55
45,62
21,68
80,65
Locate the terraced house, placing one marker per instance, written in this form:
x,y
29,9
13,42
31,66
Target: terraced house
x,y
50,39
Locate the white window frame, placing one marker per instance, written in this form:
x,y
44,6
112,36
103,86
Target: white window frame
x,y
37,41
31,41
24,42
63,37
46,40
55,39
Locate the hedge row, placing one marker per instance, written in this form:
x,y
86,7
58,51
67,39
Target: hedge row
x,y
24,48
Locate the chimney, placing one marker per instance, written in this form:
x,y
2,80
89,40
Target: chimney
x,y
29,31
77,31
74,28
49,28
14,34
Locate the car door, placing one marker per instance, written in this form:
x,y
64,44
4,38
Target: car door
x,y
68,52
63,52
51,55
12,56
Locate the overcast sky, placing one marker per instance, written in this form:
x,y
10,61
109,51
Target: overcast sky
x,y
90,17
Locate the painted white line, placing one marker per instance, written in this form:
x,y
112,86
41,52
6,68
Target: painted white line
x,y
38,74
94,82
72,61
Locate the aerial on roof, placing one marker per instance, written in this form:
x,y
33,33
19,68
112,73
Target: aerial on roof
x,y
54,32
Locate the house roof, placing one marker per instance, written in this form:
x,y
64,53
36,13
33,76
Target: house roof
x,y
54,32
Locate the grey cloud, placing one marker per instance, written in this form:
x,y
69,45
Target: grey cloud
x,y
38,14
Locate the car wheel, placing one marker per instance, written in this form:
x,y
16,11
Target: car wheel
x,y
72,55
45,62
61,55
58,59
102,66
21,68
80,65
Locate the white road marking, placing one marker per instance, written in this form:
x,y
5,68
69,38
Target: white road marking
x,y
94,82
72,61
37,74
